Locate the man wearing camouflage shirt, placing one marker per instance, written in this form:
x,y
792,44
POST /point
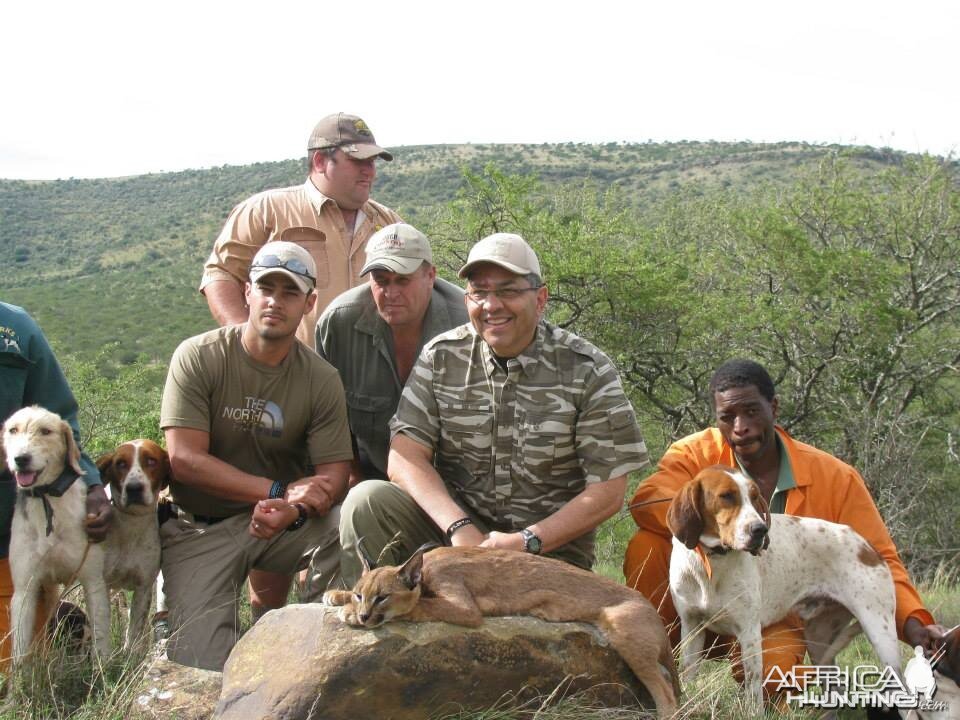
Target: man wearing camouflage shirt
x,y
510,433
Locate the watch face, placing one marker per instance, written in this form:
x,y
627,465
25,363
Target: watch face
x,y
531,543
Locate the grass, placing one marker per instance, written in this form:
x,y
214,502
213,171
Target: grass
x,y
61,684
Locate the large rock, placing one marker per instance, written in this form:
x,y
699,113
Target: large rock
x,y
302,662
169,690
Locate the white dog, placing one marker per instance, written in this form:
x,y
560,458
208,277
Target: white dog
x,y
48,543
723,577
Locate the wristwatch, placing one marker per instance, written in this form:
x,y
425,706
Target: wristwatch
x,y
531,543
301,518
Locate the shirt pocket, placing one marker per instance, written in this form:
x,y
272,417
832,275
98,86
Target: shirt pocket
x,y
466,435
314,242
618,437
545,447
369,414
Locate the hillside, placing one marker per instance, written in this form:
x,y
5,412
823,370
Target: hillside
x,y
107,260
838,268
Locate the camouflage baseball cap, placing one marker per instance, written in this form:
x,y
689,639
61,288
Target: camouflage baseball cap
x,y
350,134
288,259
399,248
507,250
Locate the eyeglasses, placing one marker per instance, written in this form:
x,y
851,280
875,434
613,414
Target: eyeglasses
x,y
293,265
505,294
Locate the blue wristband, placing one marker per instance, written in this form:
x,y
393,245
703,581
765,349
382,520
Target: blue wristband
x,y
277,490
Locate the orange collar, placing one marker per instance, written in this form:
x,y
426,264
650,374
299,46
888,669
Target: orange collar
x,y
704,555
704,558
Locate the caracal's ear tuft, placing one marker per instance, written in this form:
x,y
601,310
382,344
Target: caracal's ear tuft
x,y
365,560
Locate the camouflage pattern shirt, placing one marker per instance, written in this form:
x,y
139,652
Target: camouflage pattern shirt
x,y
514,445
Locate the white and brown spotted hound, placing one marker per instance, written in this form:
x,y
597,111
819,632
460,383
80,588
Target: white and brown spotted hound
x,y
135,472
735,569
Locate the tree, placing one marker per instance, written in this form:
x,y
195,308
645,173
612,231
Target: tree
x,y
846,287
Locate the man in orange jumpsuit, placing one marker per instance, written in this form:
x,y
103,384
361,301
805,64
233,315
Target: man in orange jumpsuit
x,y
795,478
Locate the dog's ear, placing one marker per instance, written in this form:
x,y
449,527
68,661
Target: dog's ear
x,y
167,471
73,451
685,516
763,508
105,466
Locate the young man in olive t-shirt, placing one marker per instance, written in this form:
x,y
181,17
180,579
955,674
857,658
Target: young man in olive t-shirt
x,y
259,443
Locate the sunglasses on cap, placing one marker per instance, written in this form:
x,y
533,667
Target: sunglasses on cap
x,y
293,265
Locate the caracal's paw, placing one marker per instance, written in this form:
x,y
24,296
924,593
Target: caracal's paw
x,y
336,598
348,614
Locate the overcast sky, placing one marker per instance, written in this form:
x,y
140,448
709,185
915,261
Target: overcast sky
x,y
102,89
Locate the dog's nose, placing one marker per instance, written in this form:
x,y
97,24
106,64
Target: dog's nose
x,y
23,461
134,492
758,531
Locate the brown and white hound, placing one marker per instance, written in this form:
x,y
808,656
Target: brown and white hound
x,y
736,569
135,472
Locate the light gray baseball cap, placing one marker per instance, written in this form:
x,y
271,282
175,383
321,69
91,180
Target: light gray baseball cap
x,y
287,258
508,250
399,248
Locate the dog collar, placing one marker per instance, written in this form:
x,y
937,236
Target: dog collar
x,y
704,552
55,489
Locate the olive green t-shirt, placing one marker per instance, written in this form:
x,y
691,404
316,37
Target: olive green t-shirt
x,y
275,422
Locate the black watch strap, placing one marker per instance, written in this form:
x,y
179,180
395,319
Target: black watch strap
x,y
301,518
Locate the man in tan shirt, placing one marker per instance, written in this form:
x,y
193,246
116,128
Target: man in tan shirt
x,y
331,215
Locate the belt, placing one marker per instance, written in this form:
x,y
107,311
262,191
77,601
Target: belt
x,y
170,510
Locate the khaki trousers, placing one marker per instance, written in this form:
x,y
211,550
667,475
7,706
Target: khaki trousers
x,y
391,524
205,568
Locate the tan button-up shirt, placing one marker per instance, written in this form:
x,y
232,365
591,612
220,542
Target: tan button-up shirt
x,y
270,214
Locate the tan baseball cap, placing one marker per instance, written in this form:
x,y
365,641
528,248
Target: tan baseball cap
x,y
399,248
350,134
288,259
507,250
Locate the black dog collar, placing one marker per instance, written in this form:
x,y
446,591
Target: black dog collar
x,y
55,489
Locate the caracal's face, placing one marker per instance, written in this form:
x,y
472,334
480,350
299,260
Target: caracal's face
x,y
381,595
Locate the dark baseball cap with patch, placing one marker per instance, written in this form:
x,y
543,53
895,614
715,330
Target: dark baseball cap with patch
x,y
349,133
